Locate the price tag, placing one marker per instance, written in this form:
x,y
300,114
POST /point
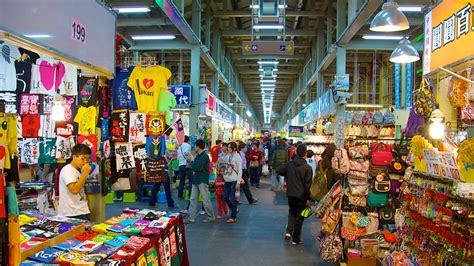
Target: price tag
x,y
78,31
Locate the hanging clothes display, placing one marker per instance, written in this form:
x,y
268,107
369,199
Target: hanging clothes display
x,y
147,84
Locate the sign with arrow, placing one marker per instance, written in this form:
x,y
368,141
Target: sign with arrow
x,y
268,48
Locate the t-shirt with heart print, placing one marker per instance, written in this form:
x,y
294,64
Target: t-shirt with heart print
x,y
147,84
8,55
47,76
88,91
23,70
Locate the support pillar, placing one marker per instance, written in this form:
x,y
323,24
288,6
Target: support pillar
x,y
227,95
308,96
207,25
196,17
196,102
340,70
215,84
329,29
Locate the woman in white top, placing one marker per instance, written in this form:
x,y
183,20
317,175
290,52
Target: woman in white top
x,y
311,161
231,166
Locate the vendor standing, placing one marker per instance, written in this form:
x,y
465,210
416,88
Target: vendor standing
x,y
72,198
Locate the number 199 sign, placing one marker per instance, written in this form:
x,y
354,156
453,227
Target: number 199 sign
x,y
78,31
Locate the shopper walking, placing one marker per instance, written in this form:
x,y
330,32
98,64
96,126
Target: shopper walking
x,y
279,157
245,177
299,177
255,164
200,184
232,169
184,167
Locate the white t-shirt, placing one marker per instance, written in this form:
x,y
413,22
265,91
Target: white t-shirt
x,y
184,149
232,165
312,163
70,204
49,76
8,55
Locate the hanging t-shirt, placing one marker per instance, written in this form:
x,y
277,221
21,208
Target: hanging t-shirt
x,y
29,151
64,129
69,104
124,156
123,96
167,102
64,147
137,127
104,129
9,53
155,146
9,102
47,76
88,92
23,70
46,104
155,124
156,170
47,127
68,85
119,126
104,101
47,151
140,155
147,84
3,155
29,104
30,125
91,142
86,120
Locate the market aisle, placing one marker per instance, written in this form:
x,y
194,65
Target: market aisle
x,y
256,239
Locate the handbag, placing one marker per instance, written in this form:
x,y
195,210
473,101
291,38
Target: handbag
x,y
387,215
382,183
398,166
381,155
331,217
349,230
331,248
359,165
375,170
375,199
402,148
328,199
359,151
356,200
319,185
254,164
358,186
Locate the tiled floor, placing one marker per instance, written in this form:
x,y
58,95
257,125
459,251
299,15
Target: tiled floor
x,y
256,239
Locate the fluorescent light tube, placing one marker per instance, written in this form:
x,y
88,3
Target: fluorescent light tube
x,y
382,37
268,27
268,81
268,85
132,9
261,69
257,6
275,69
38,36
267,62
410,8
153,37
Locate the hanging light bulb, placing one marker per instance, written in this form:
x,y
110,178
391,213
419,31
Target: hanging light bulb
x,y
437,128
389,19
58,112
404,53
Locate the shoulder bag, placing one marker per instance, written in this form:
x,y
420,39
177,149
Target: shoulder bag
x,y
319,185
331,217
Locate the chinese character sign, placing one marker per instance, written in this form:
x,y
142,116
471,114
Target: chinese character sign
x,y
119,127
140,155
124,155
183,94
137,127
449,34
156,170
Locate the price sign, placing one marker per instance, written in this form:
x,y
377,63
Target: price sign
x,y
78,31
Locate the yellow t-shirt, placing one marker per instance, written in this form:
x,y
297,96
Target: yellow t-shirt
x,y
8,139
86,120
147,84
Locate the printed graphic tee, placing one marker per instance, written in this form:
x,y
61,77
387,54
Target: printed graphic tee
x,y
23,70
86,120
70,204
9,102
47,76
88,92
30,126
8,55
123,96
147,84
91,142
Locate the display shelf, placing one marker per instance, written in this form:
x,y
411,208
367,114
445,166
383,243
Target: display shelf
x,y
450,196
442,178
25,253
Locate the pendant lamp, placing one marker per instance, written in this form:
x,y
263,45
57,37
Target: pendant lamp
x,y
404,53
389,19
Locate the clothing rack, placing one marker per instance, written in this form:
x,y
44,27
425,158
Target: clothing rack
x,y
144,61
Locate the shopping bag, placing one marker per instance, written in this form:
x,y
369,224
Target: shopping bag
x,y
265,170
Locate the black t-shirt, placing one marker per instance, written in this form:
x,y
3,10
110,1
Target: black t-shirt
x,y
23,70
88,91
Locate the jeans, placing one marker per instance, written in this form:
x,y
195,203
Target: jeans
x,y
295,220
202,189
255,175
276,182
156,188
246,188
183,173
229,197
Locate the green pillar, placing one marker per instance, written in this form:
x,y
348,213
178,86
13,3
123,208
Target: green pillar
x,y
196,18
195,76
329,29
207,26
340,70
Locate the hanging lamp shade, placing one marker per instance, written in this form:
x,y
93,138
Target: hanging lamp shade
x,y
404,53
389,19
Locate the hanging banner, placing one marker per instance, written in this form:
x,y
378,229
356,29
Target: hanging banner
x,y
397,86
210,103
183,94
449,34
295,132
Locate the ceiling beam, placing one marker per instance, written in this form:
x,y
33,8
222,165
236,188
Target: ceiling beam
x,y
288,32
136,22
161,45
248,13
279,57
246,81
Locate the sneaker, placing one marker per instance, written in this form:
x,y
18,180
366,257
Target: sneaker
x,y
287,236
189,221
254,201
202,212
297,242
209,220
184,212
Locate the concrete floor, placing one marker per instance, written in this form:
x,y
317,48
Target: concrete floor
x,y
256,239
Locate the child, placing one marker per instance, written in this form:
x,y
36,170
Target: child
x,y
219,190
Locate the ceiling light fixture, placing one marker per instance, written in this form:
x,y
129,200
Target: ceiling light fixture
x,y
267,85
268,81
268,27
389,19
404,53
261,69
132,9
410,8
382,37
262,62
37,36
257,6
275,69
249,114
153,37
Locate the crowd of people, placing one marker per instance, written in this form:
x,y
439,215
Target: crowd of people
x,y
241,165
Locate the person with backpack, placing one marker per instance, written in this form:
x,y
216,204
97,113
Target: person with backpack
x,y
299,177
231,166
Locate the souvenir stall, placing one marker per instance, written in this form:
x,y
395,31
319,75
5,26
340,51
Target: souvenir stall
x,y
222,123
